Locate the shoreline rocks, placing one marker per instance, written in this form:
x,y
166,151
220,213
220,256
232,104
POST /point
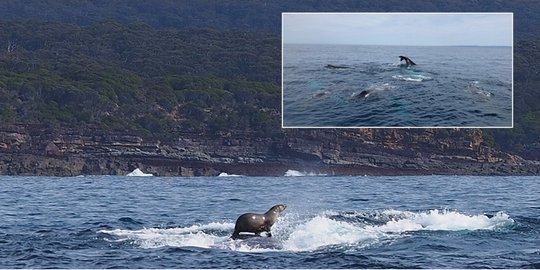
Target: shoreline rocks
x,y
28,150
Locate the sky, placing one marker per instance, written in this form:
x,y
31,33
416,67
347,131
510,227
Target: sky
x,y
422,29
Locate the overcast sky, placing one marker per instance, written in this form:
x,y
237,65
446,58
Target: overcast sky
x,y
398,28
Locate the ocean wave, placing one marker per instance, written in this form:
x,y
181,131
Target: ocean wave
x,y
296,233
138,172
224,174
204,236
475,88
298,173
412,78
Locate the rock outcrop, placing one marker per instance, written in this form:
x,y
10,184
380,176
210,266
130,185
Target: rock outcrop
x,y
40,150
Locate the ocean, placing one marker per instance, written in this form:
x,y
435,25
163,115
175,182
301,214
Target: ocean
x,y
456,86
330,222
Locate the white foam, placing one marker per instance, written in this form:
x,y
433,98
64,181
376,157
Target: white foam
x,y
475,87
193,236
191,229
380,86
447,221
224,174
212,235
323,231
295,233
138,172
298,173
294,173
412,78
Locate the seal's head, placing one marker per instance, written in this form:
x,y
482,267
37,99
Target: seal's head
x,y
278,208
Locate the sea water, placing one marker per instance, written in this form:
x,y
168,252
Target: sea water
x,y
330,222
456,86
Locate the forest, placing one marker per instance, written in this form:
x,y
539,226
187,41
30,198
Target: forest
x,y
137,79
165,68
252,15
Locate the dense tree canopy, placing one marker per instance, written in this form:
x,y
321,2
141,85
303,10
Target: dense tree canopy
x,y
136,78
162,67
526,101
252,15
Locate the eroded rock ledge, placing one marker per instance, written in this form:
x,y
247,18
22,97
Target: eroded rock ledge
x,y
40,150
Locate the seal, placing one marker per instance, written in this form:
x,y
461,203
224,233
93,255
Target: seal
x,y
257,223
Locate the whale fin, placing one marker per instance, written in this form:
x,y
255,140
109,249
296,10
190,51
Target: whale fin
x,y
408,61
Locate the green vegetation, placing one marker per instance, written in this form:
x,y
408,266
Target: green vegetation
x,y
248,15
526,102
162,68
135,78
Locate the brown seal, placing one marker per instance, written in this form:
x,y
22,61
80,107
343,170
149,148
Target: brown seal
x,y
257,223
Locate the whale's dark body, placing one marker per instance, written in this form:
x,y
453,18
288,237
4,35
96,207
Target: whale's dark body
x,y
332,66
362,94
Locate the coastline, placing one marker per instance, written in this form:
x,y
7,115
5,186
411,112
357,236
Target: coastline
x,y
30,150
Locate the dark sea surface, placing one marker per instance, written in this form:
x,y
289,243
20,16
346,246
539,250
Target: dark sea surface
x,y
457,86
330,222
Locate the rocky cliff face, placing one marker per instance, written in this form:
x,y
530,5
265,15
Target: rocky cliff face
x,y
40,150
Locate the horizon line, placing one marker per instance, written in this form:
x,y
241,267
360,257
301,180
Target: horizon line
x,y
418,45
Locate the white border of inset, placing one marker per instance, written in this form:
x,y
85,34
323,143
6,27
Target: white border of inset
x,y
464,127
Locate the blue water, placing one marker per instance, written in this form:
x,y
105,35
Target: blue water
x,y
449,86
330,222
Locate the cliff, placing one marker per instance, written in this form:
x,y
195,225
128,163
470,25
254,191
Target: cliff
x,y
87,89
43,150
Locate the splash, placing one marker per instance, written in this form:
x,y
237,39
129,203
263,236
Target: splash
x,y
365,229
138,172
412,78
204,236
224,174
475,88
296,233
322,231
298,173
436,220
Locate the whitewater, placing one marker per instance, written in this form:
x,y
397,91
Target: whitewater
x,y
296,234
330,222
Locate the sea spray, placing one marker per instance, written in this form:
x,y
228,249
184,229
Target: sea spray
x,y
298,173
295,232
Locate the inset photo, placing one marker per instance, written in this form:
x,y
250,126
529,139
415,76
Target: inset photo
x,y
410,70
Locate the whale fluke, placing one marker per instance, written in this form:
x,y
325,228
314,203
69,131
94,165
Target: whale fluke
x,y
332,66
408,61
